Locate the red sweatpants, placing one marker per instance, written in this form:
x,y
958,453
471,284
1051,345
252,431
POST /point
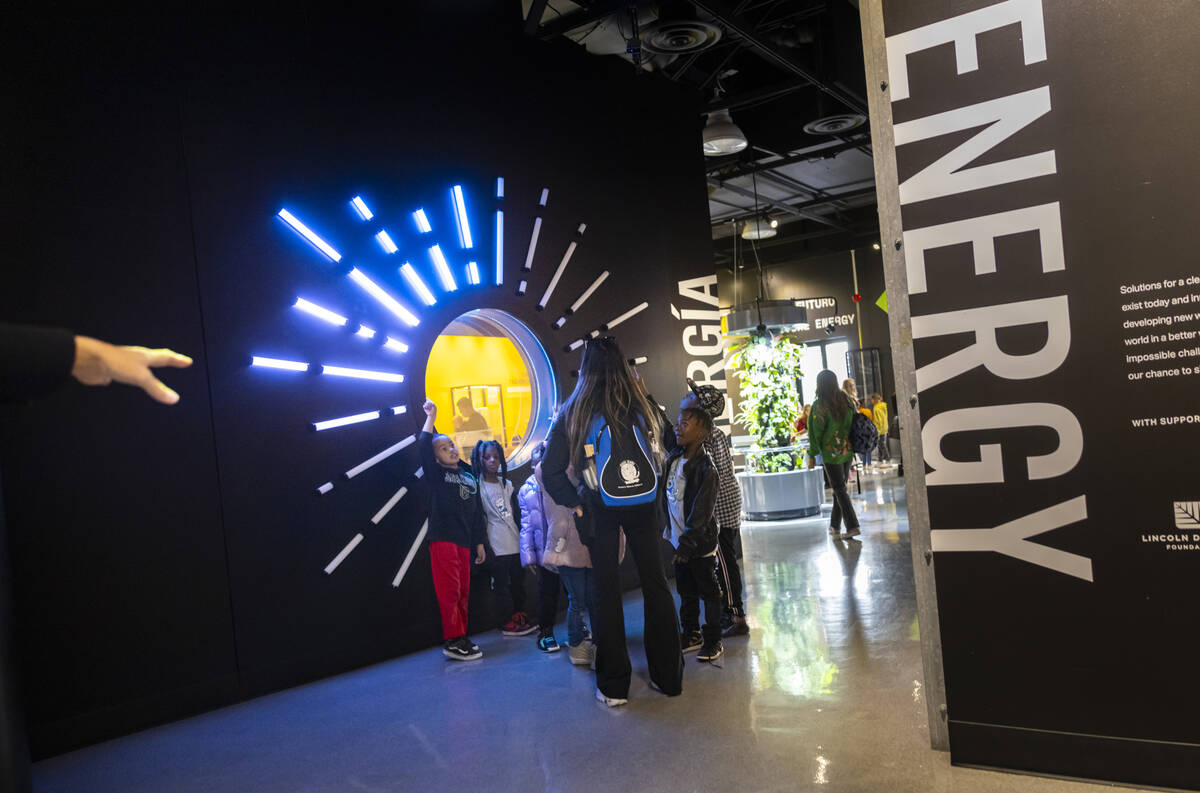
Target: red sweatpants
x,y
452,582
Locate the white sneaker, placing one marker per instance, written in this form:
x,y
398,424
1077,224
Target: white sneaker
x,y
581,654
612,702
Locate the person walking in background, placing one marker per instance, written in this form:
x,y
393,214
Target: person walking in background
x,y
829,436
503,513
608,418
690,485
864,409
534,537
801,425
850,389
456,526
879,414
728,513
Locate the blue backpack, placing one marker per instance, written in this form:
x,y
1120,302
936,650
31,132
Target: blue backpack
x,y
620,464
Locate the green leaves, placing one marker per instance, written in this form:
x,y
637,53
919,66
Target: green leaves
x,y
767,370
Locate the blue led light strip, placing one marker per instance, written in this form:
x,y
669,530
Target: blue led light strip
x,y
386,300
310,235
443,268
460,217
410,274
361,208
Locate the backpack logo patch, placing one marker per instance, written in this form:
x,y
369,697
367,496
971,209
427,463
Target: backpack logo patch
x,y
629,471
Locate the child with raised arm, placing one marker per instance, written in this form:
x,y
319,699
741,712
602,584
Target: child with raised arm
x,y
456,526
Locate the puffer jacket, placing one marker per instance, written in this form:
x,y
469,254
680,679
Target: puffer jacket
x,y
548,534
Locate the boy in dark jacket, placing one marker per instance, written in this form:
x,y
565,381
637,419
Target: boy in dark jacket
x,y
456,525
690,485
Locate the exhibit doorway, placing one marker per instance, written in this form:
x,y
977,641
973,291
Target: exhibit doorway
x,y
491,380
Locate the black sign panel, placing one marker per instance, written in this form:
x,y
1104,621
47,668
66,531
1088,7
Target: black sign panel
x,y
1048,191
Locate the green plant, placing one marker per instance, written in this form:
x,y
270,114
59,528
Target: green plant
x,y
767,370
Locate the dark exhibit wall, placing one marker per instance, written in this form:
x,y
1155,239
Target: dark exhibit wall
x,y
1047,195
173,560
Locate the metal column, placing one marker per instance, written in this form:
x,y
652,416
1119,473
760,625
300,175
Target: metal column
x,y
900,321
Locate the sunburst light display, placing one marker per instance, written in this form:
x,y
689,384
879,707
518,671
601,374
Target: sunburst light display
x,y
433,268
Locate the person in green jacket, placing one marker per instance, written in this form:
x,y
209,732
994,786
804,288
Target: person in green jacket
x,y
829,436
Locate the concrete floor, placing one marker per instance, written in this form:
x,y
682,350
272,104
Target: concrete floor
x,y
826,694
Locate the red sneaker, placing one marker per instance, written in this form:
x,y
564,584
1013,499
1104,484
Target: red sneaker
x,y
518,626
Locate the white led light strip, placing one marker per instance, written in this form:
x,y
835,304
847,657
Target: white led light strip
x,y
631,312
533,241
386,508
345,421
562,265
414,280
383,455
422,221
443,268
277,363
308,234
499,247
362,374
317,311
341,557
385,241
386,300
360,207
412,552
460,217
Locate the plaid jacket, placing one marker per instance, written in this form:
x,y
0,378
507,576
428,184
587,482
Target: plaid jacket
x,y
729,493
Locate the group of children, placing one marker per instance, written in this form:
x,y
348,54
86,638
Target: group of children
x,y
475,511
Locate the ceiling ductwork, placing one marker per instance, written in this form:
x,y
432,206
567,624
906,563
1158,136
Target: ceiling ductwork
x,y
835,125
679,31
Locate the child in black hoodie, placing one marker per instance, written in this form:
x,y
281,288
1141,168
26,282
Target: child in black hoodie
x,y
456,525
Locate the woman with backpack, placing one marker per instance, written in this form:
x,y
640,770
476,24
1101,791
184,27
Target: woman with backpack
x,y
829,435
616,437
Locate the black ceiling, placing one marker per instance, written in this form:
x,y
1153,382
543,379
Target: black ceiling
x,y
777,66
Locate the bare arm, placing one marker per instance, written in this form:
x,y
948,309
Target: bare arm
x,y
430,416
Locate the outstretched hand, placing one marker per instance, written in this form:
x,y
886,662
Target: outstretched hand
x,y
429,408
100,363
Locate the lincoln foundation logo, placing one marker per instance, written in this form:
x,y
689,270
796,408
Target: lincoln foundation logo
x,y
1186,536
1187,514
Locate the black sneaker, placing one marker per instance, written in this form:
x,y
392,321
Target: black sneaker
x,y
548,644
726,620
461,649
691,641
711,651
737,628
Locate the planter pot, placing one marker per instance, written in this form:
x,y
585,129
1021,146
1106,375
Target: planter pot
x,y
782,495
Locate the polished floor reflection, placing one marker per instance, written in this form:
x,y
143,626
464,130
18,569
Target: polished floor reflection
x,y
826,694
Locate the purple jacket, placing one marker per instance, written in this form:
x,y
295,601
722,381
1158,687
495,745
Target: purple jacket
x,y
548,534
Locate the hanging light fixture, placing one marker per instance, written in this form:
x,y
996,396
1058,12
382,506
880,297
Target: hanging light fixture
x,y
722,136
759,228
